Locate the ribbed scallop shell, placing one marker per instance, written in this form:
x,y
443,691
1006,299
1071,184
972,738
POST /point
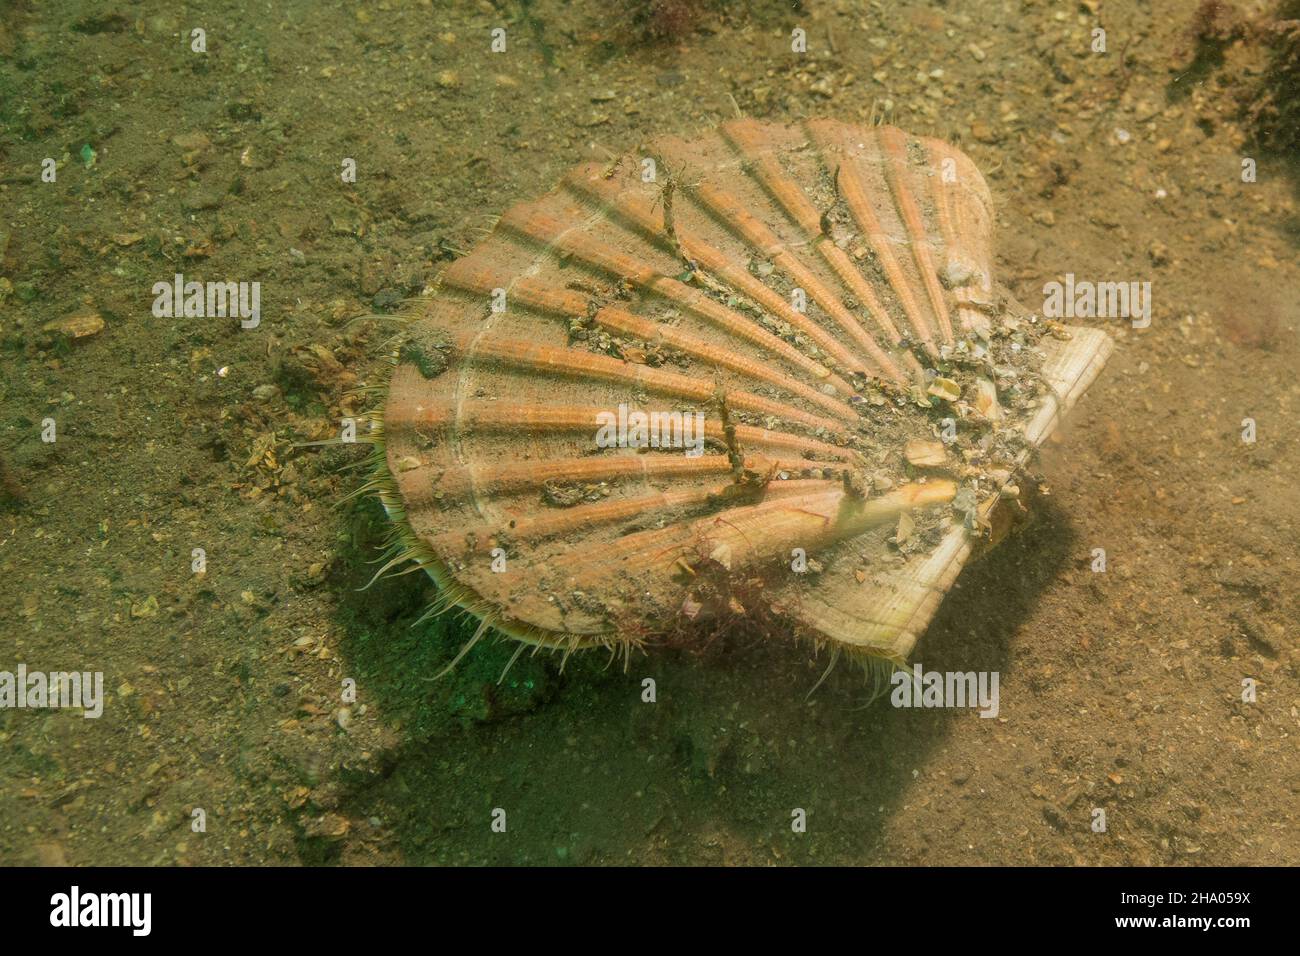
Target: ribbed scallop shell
x,y
684,291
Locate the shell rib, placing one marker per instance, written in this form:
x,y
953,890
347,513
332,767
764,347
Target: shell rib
x,y
816,297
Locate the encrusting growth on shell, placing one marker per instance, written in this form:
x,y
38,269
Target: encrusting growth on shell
x,y
778,381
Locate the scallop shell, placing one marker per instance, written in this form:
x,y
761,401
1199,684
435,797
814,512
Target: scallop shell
x,y
820,297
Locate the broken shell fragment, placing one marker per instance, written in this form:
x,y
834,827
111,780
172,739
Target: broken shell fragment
x,y
905,528
986,400
924,453
722,555
80,325
945,388
728,335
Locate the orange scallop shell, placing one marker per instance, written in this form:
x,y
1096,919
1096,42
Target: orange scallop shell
x,y
835,393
